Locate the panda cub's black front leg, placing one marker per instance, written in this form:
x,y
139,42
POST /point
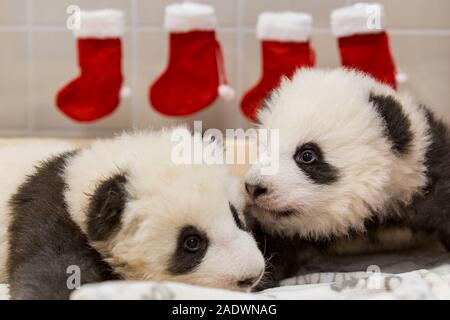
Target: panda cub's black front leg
x,y
53,275
432,211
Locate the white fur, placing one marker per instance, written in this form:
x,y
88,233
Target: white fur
x,y
331,108
107,23
284,26
184,17
164,197
358,18
16,163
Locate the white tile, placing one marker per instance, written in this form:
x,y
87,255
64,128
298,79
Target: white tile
x,y
13,12
425,60
326,48
416,14
13,80
51,12
251,72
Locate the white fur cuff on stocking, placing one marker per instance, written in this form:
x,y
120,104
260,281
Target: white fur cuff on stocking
x,y
284,26
185,17
106,23
358,18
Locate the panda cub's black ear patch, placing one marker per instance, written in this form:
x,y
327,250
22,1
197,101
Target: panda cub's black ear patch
x,y
398,126
106,207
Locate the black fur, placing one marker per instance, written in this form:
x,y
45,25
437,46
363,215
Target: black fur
x,y
429,212
184,261
321,172
44,240
286,256
236,217
106,207
398,126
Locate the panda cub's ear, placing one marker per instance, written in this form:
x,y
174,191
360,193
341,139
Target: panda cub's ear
x,y
397,125
106,207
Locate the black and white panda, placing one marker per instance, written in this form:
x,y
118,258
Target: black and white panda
x,y
119,209
360,166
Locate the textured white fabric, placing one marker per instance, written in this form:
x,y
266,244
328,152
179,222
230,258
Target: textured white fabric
x,y
409,275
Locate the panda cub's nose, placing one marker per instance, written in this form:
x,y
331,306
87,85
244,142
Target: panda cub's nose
x,y
254,191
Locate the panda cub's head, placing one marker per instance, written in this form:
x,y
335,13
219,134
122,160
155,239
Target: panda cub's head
x,y
349,148
152,219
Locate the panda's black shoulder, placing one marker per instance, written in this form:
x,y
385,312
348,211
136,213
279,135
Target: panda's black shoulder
x,y
430,204
437,158
44,241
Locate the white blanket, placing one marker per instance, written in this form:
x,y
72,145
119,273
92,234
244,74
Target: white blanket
x,y
409,275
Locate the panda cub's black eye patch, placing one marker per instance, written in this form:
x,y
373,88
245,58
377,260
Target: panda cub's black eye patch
x,y
310,159
192,245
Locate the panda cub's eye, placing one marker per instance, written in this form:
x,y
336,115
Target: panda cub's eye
x,y
307,156
192,243
191,247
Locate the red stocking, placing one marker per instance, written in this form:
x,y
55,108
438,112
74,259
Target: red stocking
x,y
195,73
285,47
363,42
95,92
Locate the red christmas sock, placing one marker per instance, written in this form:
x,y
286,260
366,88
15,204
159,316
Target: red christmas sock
x,y
363,41
195,74
95,92
285,47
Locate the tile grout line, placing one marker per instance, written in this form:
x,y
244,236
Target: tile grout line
x,y
134,64
239,61
30,69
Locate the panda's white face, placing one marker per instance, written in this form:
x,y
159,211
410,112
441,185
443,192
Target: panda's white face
x,y
340,161
187,231
154,220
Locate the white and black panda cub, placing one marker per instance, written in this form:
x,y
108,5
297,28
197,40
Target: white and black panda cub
x,y
360,166
119,209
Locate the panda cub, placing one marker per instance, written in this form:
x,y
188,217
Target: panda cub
x,y
360,166
119,209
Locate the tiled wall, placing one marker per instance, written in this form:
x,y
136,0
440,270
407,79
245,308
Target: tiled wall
x,y
38,56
